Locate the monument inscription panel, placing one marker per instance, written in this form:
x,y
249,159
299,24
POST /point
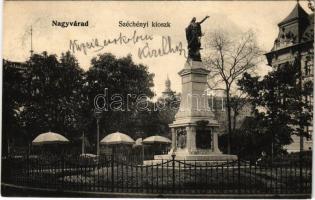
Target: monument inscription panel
x,y
203,138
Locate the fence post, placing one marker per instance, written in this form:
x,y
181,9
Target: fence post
x,y
62,172
173,171
112,166
239,175
7,166
28,170
301,171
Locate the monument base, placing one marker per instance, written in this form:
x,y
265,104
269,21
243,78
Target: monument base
x,y
190,157
200,159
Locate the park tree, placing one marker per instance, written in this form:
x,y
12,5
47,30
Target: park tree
x,y
126,87
52,94
249,140
279,100
237,103
228,58
52,90
55,94
12,99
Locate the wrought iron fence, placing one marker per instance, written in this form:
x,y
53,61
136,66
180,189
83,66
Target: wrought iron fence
x,y
164,176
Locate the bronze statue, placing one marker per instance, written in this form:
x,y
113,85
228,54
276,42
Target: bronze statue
x,y
193,35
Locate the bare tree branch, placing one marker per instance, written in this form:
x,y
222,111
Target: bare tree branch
x,y
229,58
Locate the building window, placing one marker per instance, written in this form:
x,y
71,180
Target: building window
x,y
309,137
310,100
308,67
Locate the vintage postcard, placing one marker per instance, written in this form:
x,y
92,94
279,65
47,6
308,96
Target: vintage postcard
x,y
146,99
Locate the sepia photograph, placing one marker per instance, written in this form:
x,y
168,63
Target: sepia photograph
x,y
157,99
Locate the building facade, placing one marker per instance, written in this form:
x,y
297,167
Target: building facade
x,y
296,40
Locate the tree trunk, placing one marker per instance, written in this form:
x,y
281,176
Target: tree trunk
x,y
83,143
228,106
234,120
272,138
272,147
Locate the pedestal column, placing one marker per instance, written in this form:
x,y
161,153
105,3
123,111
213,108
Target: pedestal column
x,y
212,141
215,143
193,139
188,138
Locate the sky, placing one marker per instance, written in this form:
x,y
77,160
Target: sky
x,y
261,17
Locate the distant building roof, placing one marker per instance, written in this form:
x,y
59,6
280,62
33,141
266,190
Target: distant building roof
x,y
16,65
296,13
294,30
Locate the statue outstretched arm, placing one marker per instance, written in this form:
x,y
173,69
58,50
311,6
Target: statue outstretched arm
x,y
204,19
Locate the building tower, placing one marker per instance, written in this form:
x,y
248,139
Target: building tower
x,y
168,93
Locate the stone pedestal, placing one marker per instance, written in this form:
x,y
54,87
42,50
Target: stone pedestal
x,y
194,131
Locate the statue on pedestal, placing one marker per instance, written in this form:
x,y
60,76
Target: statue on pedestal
x,y
193,35
194,130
